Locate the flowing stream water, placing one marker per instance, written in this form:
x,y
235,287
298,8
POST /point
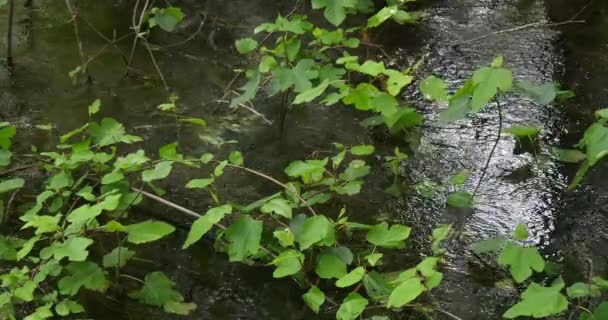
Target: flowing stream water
x,y
520,185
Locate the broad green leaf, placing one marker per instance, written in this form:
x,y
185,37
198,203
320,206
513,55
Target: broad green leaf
x,y
362,150
75,249
521,261
343,253
330,266
5,157
199,183
427,266
539,302
249,90
434,88
11,184
489,245
299,77
158,290
351,278
396,81
41,313
285,237
405,293
166,18
203,224
600,313
523,132
361,96
67,307
315,230
541,93
487,81
83,274
236,158
246,45
94,107
131,161
160,171
110,132
118,257
352,307
314,298
383,236
148,231
521,232
381,16
460,178
356,169
309,171
244,237
373,258
112,177
439,235
196,121
279,206
335,10
602,113
376,286
311,94
288,263
26,291
372,68
6,135
578,290
595,142
569,155
460,199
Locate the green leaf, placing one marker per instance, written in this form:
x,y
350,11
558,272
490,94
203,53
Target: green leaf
x,y
67,306
112,177
83,274
75,249
330,266
26,291
249,90
343,253
279,206
117,257
110,132
288,263
596,142
541,93
405,293
148,231
335,10
489,245
380,235
434,88
351,278
460,199
315,230
285,237
362,150
11,184
314,298
236,158
373,258
206,158
521,232
311,94
160,171
219,169
246,45
41,313
244,237
5,157
521,261
196,121
460,178
158,290
356,169
381,16
376,286
578,290
6,135
199,183
539,302
602,113
167,18
203,224
427,266
299,77
94,107
396,81
352,307
600,313
568,155
487,81
523,132
372,68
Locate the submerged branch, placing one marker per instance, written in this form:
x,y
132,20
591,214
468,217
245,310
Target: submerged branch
x,y
485,169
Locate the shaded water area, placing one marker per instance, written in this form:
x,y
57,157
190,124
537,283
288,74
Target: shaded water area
x,y
519,187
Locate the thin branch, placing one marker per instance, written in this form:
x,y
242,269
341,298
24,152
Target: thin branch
x,y
192,36
522,27
137,28
160,73
9,204
277,182
9,35
74,15
485,169
449,314
13,170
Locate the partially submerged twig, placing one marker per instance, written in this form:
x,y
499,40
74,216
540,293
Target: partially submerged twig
x,y
485,169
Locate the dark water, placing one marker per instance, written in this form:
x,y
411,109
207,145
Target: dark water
x,y
518,188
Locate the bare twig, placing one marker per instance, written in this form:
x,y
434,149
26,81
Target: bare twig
x,y
192,36
522,27
136,25
74,15
449,314
160,73
277,182
9,35
13,170
485,169
9,204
